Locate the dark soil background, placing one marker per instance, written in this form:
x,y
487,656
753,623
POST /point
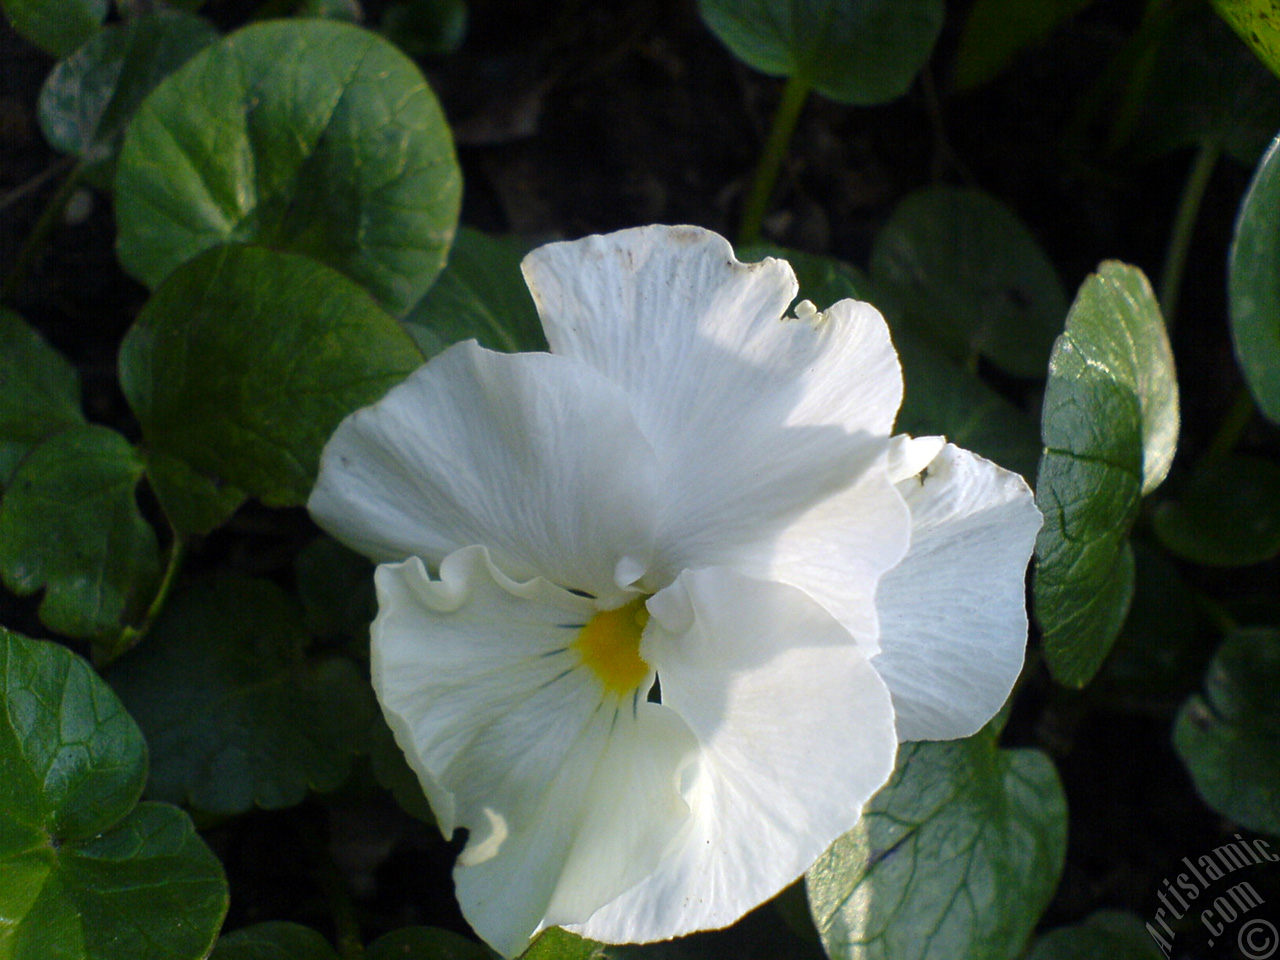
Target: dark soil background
x,y
578,117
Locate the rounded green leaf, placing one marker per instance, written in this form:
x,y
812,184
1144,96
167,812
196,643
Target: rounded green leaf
x,y
957,856
1113,934
39,392
964,270
243,363
1109,426
1255,21
1205,86
90,96
84,874
427,943
335,585
306,135
997,30
480,295
56,26
555,943
1229,736
1254,285
1228,515
236,712
855,51
70,525
274,940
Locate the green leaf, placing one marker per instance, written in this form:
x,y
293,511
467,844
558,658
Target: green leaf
x,y
1255,21
1205,86
1110,427
862,52
39,392
482,295
392,771
1229,737
1113,934
940,396
558,944
1254,285
56,26
193,502
426,28
243,363
996,30
335,585
235,710
957,856
426,943
89,97
84,873
275,940
306,135
1228,515
966,272
70,524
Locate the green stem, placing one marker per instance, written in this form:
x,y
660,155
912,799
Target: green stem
x,y
346,924
40,234
794,95
130,637
1231,429
1184,225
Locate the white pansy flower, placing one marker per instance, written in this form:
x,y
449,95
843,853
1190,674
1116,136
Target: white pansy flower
x,y
690,592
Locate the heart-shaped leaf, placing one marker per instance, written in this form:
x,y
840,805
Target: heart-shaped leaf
x,y
957,856
854,51
306,135
965,271
235,710
84,873
243,363
39,392
90,96
1110,427
70,525
1229,736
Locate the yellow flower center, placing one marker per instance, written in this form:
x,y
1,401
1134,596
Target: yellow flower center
x,y
610,645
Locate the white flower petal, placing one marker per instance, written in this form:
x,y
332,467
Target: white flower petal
x,y
537,457
753,418
796,733
953,622
910,455
571,797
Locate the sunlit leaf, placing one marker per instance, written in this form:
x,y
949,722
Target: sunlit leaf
x,y
243,363
84,873
957,856
305,135
426,943
39,392
1229,736
482,295
1228,515
1255,21
56,26
235,710
89,97
1109,427
997,30
70,525
1254,285
862,52
967,273
558,944
274,940
1110,934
